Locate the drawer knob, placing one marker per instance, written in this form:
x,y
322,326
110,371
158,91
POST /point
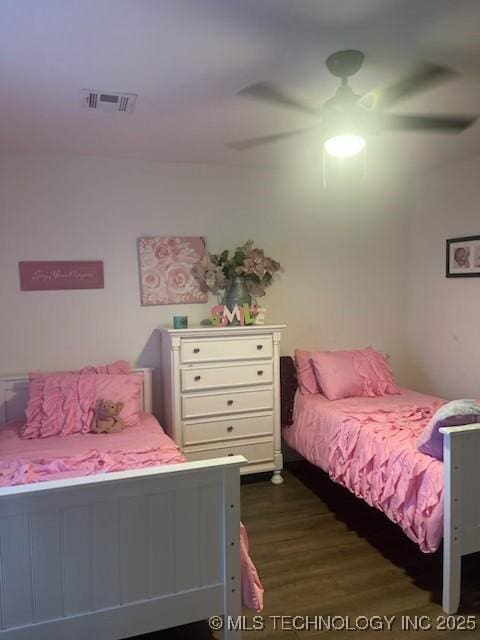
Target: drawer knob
x,y
230,454
230,429
259,347
197,378
229,402
196,350
260,373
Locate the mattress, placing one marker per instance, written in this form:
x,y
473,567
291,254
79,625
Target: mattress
x,y
368,445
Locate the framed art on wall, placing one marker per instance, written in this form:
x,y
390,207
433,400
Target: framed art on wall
x,y
463,257
166,270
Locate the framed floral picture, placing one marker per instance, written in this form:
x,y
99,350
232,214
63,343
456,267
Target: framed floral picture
x,y
166,270
463,257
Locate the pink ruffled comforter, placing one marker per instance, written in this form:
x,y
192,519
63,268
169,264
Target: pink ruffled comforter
x,y
36,460
369,446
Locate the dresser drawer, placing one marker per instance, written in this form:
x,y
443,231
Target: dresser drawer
x,y
226,349
254,453
227,429
212,404
233,375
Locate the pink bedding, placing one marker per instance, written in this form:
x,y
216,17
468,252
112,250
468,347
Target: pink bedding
x,y
26,461
369,446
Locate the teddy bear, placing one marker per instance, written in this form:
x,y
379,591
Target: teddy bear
x,y
107,417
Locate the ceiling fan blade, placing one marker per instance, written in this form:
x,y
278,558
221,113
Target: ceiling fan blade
x,y
424,76
443,123
268,92
240,145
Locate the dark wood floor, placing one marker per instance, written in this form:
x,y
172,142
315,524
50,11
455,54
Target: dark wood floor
x,y
321,552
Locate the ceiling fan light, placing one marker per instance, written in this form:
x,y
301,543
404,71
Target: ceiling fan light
x,y
344,146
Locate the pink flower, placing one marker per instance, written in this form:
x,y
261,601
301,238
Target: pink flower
x,y
255,263
174,246
148,259
179,278
161,253
209,274
151,280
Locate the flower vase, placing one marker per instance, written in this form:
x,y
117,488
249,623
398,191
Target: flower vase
x,y
238,294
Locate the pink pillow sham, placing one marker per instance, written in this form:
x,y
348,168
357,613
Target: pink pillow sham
x,y
120,366
349,374
307,381
374,368
336,375
64,404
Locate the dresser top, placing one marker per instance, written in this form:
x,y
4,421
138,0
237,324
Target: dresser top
x,y
204,331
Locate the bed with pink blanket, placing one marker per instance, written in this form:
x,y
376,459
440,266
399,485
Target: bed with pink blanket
x,y
369,446
57,458
115,534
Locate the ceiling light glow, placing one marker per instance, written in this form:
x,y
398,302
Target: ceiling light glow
x,y
344,146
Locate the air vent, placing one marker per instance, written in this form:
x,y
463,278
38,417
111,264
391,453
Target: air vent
x,y
108,100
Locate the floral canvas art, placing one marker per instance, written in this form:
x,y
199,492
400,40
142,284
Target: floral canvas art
x,y
166,270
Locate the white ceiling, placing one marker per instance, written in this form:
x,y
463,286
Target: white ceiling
x,y
187,59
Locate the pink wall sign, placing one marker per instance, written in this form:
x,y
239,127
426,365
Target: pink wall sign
x,y
54,274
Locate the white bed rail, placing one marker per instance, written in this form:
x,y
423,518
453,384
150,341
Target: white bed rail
x,y
115,555
461,525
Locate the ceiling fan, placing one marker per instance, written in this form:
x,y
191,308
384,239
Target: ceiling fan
x,y
347,118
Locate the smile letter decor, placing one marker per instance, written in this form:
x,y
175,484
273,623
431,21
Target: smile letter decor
x,y
245,315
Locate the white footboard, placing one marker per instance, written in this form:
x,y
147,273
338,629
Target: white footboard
x,y
120,554
461,530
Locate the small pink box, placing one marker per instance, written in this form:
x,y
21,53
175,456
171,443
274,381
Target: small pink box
x,y
54,275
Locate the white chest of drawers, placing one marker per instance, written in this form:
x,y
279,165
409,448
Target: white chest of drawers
x,y
221,393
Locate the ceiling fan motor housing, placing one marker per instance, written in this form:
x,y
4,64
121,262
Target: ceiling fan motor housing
x,y
348,118
344,64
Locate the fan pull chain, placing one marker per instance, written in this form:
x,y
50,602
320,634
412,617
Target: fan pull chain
x,y
325,160
365,164
324,169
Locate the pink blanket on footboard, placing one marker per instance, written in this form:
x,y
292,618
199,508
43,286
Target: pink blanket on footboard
x,y
40,459
368,445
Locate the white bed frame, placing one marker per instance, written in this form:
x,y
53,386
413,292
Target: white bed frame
x,y
461,525
120,554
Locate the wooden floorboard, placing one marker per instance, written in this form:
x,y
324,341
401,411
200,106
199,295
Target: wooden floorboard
x,y
321,552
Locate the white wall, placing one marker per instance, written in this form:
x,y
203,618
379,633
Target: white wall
x,y
443,313
344,255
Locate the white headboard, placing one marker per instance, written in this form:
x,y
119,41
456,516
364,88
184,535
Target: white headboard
x,y
14,395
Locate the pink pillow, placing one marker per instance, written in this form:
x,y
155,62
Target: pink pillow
x,y
307,381
119,366
374,366
64,404
126,388
348,374
336,374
